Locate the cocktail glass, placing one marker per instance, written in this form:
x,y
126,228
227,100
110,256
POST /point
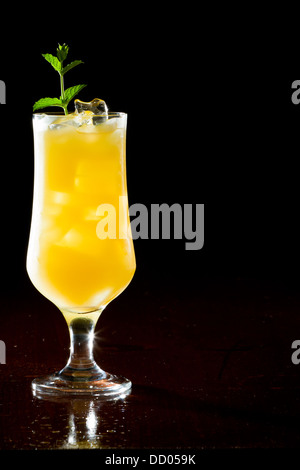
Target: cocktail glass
x,y
80,253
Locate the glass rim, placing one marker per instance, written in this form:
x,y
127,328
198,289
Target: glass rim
x,y
110,114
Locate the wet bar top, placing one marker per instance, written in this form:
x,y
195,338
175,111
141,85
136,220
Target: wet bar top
x,y
210,364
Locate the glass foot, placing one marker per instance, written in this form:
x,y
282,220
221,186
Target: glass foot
x,y
106,386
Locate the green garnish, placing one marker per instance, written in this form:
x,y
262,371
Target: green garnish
x,y
66,95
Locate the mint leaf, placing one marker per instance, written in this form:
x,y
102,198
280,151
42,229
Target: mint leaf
x,y
71,92
45,102
66,95
62,52
70,66
53,61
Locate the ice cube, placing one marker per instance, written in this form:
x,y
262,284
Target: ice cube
x,y
81,239
63,121
96,106
72,239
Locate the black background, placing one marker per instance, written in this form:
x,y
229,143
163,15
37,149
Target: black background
x,y
210,120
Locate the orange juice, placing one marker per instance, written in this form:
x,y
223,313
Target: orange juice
x,y
77,169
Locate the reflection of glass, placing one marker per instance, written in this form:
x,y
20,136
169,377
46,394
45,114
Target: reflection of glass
x,y
85,429
81,423
83,433
78,170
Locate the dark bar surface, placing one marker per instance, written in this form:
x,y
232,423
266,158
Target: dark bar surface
x,y
210,363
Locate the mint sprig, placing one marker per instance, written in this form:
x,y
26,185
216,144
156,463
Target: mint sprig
x,y
65,95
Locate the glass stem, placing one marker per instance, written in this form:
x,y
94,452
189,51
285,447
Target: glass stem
x,y
81,365
81,348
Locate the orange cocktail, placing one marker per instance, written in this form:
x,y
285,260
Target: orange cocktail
x,y
79,168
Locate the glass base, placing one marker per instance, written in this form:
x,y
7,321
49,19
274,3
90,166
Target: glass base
x,y
106,386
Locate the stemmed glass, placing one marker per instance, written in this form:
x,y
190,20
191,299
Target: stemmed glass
x,y
80,253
